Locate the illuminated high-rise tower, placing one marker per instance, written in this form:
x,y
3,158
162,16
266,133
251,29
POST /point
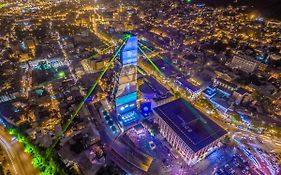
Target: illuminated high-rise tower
x,y
126,82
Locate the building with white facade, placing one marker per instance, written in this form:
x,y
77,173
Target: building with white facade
x,y
189,131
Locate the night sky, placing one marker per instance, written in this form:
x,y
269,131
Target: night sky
x,y
268,8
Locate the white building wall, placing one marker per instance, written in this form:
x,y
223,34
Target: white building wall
x,y
181,147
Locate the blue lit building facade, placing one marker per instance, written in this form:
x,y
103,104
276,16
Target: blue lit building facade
x,y
126,82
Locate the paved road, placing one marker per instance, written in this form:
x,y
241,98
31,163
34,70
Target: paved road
x,y
20,161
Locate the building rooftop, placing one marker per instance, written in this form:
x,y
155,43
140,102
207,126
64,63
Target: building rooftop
x,y
221,101
193,127
145,88
234,86
210,91
242,91
224,89
161,90
166,68
187,85
153,87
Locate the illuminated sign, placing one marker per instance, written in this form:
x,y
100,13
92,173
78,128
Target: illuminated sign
x,y
126,99
125,108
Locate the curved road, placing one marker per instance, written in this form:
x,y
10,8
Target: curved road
x,y
20,162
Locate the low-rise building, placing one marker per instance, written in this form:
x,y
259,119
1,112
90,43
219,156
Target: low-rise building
x,y
189,131
225,86
191,88
220,103
154,92
241,95
218,97
243,63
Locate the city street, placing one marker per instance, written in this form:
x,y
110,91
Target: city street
x,y
20,161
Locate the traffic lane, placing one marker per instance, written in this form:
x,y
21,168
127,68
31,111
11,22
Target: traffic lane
x,y
257,162
24,159
21,161
10,155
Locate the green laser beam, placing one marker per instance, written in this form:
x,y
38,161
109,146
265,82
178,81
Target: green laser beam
x,y
2,5
127,35
159,55
150,61
146,47
69,121
101,52
140,71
